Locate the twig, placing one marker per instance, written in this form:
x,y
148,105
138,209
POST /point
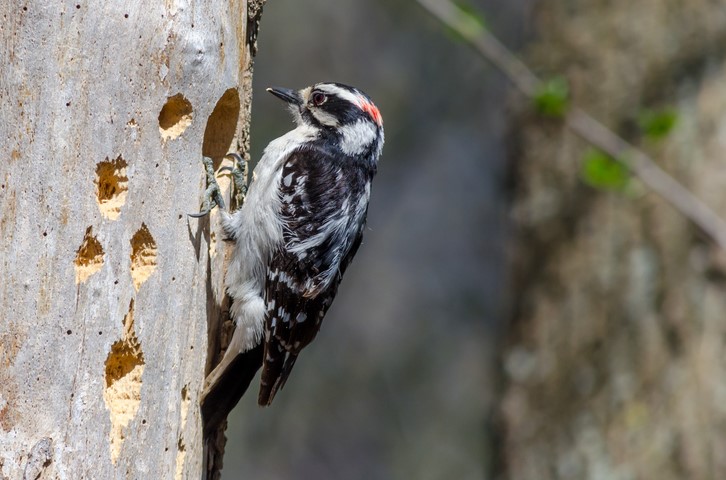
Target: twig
x,y
581,123
650,174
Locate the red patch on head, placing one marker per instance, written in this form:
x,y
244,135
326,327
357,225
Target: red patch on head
x,y
372,110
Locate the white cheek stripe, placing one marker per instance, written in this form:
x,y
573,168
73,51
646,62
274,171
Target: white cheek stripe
x,y
357,137
341,93
324,117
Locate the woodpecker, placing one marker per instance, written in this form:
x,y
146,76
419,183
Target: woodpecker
x,y
296,233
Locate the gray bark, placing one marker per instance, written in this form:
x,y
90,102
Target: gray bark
x,y
615,362
107,286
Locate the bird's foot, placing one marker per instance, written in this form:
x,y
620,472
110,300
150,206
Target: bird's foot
x,y
212,195
238,173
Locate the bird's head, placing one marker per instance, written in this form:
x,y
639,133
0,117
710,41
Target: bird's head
x,y
342,110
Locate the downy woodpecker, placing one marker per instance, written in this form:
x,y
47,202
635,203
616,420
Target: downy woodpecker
x,y
296,233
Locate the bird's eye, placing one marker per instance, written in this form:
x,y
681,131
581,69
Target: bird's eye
x,y
319,98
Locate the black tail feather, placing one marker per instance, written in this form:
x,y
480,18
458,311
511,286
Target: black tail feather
x,y
274,376
230,388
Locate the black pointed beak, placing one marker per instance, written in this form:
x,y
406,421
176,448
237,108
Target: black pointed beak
x,y
290,96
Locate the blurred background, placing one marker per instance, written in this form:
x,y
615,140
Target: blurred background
x,y
399,382
517,310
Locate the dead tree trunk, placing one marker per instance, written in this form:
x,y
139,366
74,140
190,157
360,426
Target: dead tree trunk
x,y
107,286
616,362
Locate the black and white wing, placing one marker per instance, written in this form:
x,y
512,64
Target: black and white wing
x,y
324,202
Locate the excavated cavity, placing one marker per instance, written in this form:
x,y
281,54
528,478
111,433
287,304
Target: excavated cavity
x,y
219,135
181,447
143,256
184,405
89,257
180,456
175,116
124,370
112,186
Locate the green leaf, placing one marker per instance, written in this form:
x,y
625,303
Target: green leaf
x,y
601,171
657,124
473,14
552,99
470,22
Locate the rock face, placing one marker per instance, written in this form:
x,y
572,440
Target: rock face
x,y
615,365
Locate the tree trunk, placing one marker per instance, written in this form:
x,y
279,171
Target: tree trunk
x,y
108,287
616,360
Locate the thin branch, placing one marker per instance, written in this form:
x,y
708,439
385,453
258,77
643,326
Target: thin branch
x,y
654,177
581,123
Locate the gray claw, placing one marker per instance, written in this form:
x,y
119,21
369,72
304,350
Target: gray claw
x,y
212,195
238,173
201,214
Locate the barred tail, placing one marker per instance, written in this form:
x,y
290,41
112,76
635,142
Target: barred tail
x,y
275,370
